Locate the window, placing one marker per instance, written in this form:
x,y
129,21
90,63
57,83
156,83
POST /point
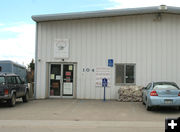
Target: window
x,y
18,80
165,87
125,73
166,83
148,86
2,80
11,80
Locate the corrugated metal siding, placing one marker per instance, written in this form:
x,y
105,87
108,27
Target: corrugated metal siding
x,y
20,71
152,45
6,67
11,67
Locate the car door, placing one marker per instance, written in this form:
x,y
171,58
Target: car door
x,y
21,86
145,91
9,83
12,84
16,86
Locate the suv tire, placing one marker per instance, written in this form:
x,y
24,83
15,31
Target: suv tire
x,y
148,108
26,97
178,107
12,101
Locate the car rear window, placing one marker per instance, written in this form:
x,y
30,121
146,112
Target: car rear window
x,y
165,87
2,80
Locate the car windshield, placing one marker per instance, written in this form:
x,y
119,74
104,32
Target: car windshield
x,y
165,86
2,80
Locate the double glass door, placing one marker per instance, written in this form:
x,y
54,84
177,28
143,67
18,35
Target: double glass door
x,y
61,80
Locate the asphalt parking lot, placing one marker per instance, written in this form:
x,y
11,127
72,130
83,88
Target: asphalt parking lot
x,y
77,115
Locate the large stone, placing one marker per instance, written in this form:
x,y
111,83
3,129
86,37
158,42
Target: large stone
x,y
130,93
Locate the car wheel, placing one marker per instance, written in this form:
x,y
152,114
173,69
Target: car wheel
x,y
148,108
143,101
26,97
12,101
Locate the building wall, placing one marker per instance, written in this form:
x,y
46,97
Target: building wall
x,y
20,71
6,67
151,44
11,67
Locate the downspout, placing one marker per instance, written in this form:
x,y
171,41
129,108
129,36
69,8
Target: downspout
x,y
36,54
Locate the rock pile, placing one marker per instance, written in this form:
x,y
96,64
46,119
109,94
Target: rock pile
x,y
130,93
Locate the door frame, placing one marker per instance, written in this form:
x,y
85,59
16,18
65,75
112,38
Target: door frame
x,y
61,89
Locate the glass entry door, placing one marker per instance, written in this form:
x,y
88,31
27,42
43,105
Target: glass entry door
x,y
68,80
61,80
55,80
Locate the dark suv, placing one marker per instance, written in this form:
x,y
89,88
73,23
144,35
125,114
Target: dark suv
x,y
12,87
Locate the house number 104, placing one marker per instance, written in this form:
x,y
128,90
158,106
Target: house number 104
x,y
88,70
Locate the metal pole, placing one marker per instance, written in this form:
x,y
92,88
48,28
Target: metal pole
x,y
104,93
36,61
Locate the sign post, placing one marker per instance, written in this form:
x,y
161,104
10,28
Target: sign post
x,y
104,84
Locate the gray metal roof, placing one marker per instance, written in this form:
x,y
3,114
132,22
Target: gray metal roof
x,y
11,62
107,13
8,74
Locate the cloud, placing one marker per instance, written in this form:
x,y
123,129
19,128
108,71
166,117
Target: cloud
x,y
142,3
21,47
1,24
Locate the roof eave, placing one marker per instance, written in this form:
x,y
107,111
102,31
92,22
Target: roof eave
x,y
105,13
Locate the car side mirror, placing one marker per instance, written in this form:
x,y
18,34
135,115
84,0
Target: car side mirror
x,y
144,88
23,82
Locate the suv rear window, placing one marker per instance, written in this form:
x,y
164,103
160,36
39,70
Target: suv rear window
x,y
2,80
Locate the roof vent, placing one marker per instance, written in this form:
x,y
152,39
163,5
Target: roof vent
x,y
163,7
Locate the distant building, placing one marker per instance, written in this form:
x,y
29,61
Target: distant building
x,y
7,66
74,51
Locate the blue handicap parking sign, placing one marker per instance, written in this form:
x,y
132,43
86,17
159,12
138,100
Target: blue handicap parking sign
x,y
104,82
110,62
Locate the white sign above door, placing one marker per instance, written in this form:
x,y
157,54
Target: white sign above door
x,y
61,48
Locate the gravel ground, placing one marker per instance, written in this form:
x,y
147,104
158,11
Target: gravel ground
x,y
85,110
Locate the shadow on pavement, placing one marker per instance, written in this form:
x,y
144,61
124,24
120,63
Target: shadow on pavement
x,y
4,104
165,110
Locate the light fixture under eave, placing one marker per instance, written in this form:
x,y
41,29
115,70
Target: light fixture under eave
x,y
163,7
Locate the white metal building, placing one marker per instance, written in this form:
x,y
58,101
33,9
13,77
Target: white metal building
x,y
75,51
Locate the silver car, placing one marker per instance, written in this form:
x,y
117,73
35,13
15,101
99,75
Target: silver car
x,y
161,94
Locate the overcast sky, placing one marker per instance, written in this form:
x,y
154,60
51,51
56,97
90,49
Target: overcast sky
x,y
17,30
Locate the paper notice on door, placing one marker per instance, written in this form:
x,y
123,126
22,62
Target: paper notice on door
x,y
52,76
70,67
68,73
68,89
58,77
